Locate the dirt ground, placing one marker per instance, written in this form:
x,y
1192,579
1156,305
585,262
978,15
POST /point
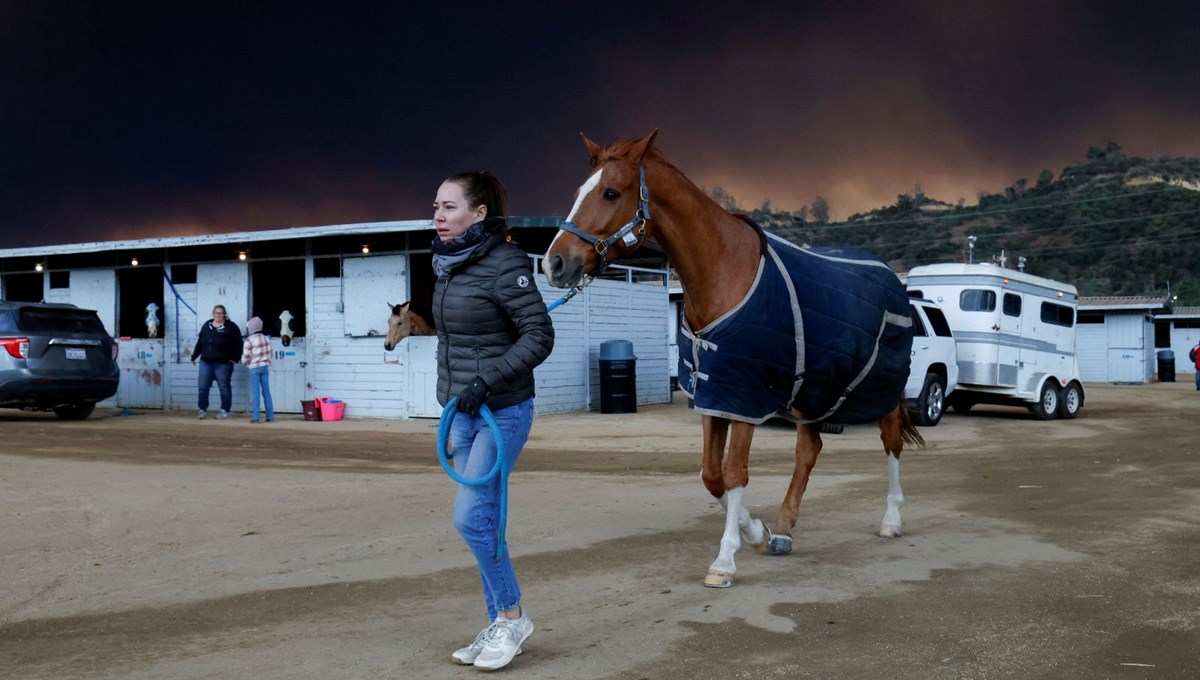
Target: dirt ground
x,y
157,546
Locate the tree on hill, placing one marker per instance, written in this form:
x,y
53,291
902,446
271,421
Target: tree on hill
x,y
820,210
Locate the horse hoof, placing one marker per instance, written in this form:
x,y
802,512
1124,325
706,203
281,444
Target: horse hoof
x,y
717,578
761,546
779,545
889,531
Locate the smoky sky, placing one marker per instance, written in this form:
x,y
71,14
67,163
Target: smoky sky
x,y
126,120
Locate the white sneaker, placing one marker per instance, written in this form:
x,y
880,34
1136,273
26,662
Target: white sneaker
x,y
465,656
200,416
223,415
502,641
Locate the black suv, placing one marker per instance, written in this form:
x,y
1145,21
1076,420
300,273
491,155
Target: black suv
x,y
55,357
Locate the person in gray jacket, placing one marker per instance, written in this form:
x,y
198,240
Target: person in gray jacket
x,y
493,330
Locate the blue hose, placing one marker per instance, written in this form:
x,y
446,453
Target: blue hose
x,y
501,467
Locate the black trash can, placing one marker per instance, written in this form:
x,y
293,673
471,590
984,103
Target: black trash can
x,y
1166,365
618,377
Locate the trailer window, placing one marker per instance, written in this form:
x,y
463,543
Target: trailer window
x,y
1059,315
941,327
977,301
918,326
1012,304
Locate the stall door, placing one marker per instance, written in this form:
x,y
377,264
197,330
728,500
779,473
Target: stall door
x,y
225,283
289,375
141,362
1126,353
97,289
421,383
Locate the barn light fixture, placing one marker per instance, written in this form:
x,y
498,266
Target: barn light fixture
x,y
38,267
242,256
133,262
366,249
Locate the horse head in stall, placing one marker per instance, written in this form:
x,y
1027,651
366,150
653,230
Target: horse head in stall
x,y
152,320
404,322
821,336
285,328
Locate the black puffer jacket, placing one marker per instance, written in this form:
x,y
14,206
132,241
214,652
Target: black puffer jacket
x,y
491,322
219,345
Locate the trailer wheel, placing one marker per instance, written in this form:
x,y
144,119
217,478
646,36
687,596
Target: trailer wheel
x,y
1047,405
1070,402
931,403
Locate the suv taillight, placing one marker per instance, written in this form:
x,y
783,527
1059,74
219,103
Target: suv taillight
x,y
17,347
116,349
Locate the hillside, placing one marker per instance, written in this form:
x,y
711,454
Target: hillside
x,y
1113,225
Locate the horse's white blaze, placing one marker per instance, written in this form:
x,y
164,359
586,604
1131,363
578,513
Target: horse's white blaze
x,y
895,500
588,187
730,540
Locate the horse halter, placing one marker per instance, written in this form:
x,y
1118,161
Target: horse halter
x,y
626,233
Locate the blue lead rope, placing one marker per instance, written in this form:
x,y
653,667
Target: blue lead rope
x,y
501,468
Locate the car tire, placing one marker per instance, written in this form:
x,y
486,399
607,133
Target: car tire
x,y
960,404
931,403
75,411
1070,401
1047,404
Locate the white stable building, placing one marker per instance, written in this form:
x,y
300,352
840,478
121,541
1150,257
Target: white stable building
x,y
1181,328
1114,338
335,282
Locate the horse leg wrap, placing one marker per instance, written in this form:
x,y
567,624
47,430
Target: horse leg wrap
x,y
779,545
718,578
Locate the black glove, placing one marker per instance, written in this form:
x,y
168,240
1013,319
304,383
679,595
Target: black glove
x,y
472,397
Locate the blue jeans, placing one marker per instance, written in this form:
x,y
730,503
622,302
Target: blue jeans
x,y
476,508
222,373
260,381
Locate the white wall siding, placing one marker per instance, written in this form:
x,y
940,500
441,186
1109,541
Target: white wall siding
x,y
562,380
638,313
1182,341
356,370
1126,348
1091,349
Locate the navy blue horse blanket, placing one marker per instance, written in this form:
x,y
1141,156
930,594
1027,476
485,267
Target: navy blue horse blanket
x,y
826,331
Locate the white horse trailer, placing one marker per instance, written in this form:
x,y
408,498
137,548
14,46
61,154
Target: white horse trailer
x,y
1015,335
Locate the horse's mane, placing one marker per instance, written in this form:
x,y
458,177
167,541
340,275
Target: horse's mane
x,y
423,310
620,150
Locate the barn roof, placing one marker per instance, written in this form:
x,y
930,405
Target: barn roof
x,y
1106,303
538,234
1181,313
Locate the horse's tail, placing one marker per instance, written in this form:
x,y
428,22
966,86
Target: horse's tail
x,y
908,430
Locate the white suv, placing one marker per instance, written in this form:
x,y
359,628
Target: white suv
x,y
933,373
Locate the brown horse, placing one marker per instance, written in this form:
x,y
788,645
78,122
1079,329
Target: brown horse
x,y
717,256
405,322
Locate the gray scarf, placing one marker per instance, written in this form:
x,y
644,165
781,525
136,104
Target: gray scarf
x,y
452,254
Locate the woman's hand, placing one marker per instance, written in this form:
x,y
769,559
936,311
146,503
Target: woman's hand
x,y
471,399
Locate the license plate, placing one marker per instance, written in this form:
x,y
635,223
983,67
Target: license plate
x,y
76,353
